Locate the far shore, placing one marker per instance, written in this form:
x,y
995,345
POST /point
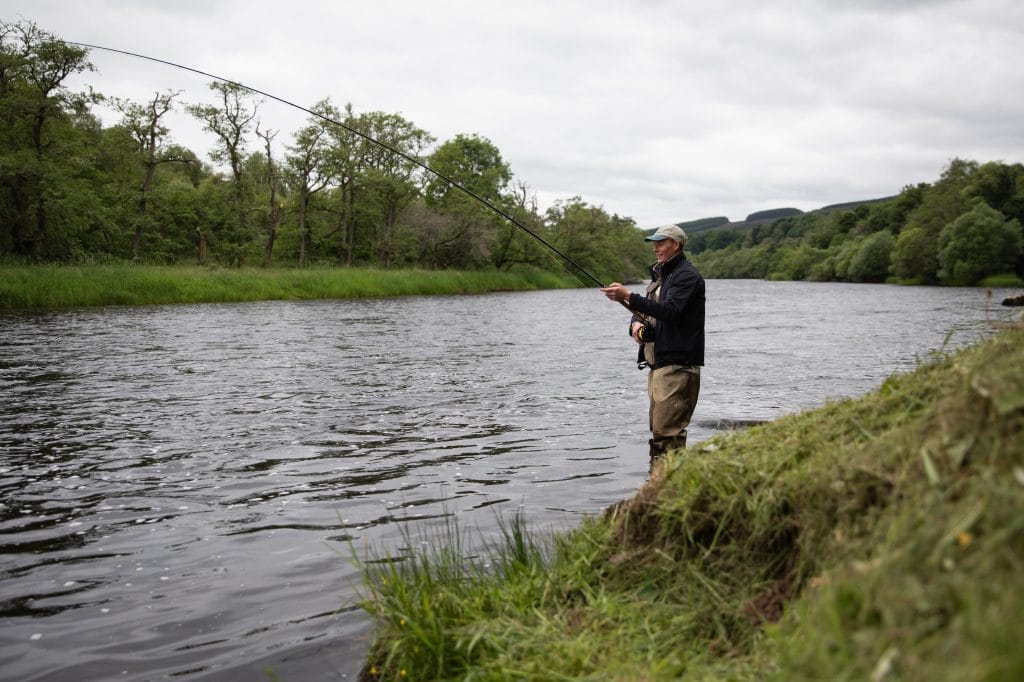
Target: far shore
x,y
51,287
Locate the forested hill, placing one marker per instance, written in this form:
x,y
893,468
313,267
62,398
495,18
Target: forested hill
x,y
693,227
963,229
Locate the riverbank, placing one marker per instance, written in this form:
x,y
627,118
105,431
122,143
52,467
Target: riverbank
x,y
874,538
46,287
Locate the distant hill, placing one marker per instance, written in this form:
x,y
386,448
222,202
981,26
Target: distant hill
x,y
762,217
702,224
853,204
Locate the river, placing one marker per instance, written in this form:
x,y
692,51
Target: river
x,y
183,486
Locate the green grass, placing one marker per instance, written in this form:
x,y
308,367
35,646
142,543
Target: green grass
x,y
872,539
50,287
1007,280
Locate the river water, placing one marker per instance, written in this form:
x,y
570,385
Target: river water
x,y
182,486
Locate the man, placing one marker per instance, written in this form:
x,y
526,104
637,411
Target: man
x,y
668,323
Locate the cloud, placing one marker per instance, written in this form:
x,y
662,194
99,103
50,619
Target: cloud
x,y
661,111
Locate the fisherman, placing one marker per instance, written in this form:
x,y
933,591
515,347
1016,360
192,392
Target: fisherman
x,y
668,324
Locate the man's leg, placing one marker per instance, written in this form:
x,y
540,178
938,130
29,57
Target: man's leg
x,y
673,393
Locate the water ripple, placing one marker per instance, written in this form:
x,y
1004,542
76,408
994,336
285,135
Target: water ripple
x,y
180,485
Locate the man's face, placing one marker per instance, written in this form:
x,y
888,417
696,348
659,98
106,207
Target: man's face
x,y
665,249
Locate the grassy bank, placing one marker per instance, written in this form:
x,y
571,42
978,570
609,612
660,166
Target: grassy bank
x,y
49,287
875,538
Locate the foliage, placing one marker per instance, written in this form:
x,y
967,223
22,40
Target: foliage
x,y
772,214
692,227
468,229
711,240
980,242
606,246
47,206
870,263
875,538
916,256
922,235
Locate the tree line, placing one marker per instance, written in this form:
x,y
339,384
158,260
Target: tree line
x,y
75,190
963,229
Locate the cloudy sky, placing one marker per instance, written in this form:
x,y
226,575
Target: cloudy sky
x,y
658,110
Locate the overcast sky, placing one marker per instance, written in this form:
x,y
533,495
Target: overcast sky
x,y
657,110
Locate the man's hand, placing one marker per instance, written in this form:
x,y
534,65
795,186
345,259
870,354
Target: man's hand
x,y
616,292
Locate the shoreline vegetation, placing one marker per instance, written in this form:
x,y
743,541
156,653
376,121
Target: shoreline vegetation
x,y
874,538
26,287
49,287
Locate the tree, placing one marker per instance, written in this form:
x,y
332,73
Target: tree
x,y
797,263
308,171
39,142
977,244
476,164
870,262
842,257
389,177
916,256
271,182
944,201
150,135
609,247
347,159
512,245
1001,186
232,122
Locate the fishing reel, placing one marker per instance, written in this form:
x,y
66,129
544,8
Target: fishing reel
x,y
645,333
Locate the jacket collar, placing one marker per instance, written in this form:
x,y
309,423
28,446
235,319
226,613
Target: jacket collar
x,y
668,266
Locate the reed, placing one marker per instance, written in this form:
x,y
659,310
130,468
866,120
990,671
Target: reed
x,y
874,538
52,286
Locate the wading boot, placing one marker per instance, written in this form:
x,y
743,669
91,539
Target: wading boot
x,y
656,452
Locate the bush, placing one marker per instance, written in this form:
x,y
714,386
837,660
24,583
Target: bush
x,y
981,242
870,263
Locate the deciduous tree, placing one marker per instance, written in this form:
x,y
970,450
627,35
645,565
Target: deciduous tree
x,y
916,256
476,164
232,121
150,135
977,244
39,143
390,178
308,169
870,262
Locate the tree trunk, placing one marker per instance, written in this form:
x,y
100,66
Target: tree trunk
x,y
137,239
303,237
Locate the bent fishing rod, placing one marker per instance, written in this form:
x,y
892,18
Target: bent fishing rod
x,y
503,214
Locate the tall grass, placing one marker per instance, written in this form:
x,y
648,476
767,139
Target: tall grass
x,y
876,538
1006,280
421,595
50,286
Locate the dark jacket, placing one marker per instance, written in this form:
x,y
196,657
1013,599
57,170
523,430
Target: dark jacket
x,y
679,313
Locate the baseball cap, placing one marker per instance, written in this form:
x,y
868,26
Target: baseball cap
x,y
668,232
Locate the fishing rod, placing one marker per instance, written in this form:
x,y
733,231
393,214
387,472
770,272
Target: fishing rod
x,y
512,220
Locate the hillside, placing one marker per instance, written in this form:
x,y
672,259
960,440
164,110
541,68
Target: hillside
x,y
877,538
764,217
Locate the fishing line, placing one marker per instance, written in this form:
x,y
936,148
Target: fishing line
x,y
368,138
